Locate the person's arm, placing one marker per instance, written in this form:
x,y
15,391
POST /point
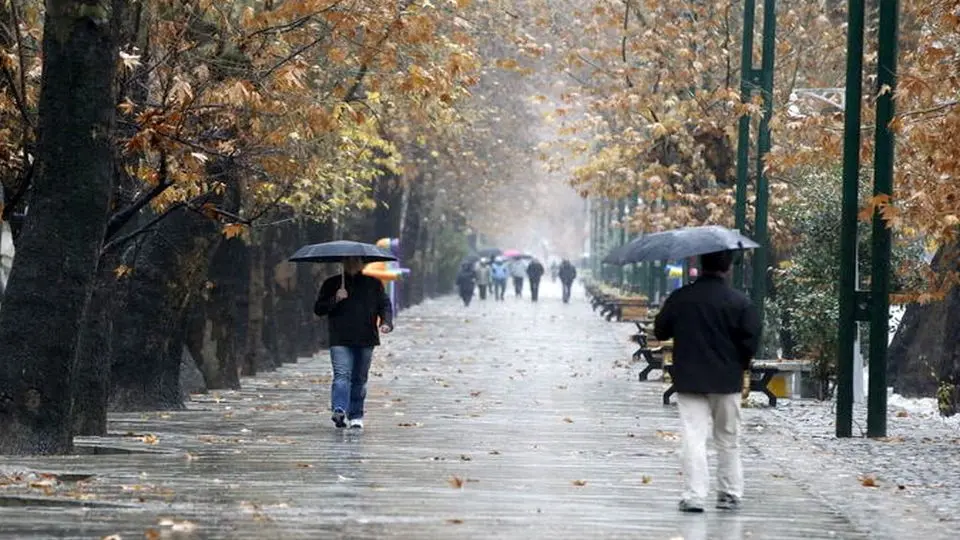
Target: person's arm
x,y
326,300
385,310
664,322
747,335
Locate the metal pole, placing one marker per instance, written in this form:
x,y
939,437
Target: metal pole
x,y
743,141
763,147
623,206
882,185
847,331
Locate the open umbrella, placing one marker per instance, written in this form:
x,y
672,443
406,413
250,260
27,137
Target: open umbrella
x,y
680,244
489,253
339,251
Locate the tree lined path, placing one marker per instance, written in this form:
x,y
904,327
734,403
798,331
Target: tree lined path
x,y
509,420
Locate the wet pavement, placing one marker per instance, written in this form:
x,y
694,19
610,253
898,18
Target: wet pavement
x,y
501,420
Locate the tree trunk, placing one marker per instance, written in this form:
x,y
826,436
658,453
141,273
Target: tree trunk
x,y
59,245
91,377
211,329
256,357
167,270
924,356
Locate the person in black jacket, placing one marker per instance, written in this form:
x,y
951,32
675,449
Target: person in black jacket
x,y
466,282
716,332
567,273
358,311
534,272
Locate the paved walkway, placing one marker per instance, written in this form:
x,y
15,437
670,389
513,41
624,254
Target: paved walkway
x,y
501,420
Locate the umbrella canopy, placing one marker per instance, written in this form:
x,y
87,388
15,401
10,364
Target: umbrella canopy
x,y
512,253
332,252
680,244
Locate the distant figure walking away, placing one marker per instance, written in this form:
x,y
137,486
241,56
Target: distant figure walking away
x,y
483,278
716,332
518,271
535,272
498,272
567,273
355,305
466,281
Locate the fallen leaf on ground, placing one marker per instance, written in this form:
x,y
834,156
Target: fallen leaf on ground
x,y
464,457
902,414
410,424
475,394
150,439
646,479
494,452
456,481
304,466
667,435
568,420
868,481
579,483
455,521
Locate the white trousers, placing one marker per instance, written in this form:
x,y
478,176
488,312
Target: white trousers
x,y
698,413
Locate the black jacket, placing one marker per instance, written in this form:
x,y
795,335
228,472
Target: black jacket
x,y
353,322
567,273
535,271
715,331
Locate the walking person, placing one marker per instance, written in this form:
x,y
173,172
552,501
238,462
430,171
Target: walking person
x,y
358,310
716,332
567,273
466,281
498,272
518,271
483,278
535,272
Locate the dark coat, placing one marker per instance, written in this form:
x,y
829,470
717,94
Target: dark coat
x,y
567,273
353,321
535,271
715,332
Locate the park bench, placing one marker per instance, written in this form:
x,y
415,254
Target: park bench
x,y
762,374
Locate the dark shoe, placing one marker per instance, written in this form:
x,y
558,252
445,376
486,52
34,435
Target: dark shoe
x,y
726,501
339,418
691,507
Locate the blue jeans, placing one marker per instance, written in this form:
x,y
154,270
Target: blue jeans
x,y
350,368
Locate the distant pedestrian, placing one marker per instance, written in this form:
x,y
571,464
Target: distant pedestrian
x,y
483,278
567,273
499,273
518,271
534,273
355,305
466,281
716,332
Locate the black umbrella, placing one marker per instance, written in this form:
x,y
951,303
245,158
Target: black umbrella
x,y
339,251
332,252
680,244
615,255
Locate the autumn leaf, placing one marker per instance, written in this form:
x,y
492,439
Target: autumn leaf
x,y
868,481
456,481
122,271
579,483
646,479
568,420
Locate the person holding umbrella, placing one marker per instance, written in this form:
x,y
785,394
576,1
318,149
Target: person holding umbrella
x,y
716,332
358,311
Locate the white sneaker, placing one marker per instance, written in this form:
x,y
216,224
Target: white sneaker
x,y
356,423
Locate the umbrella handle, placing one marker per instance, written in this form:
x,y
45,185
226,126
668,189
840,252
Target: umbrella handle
x,y
343,277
